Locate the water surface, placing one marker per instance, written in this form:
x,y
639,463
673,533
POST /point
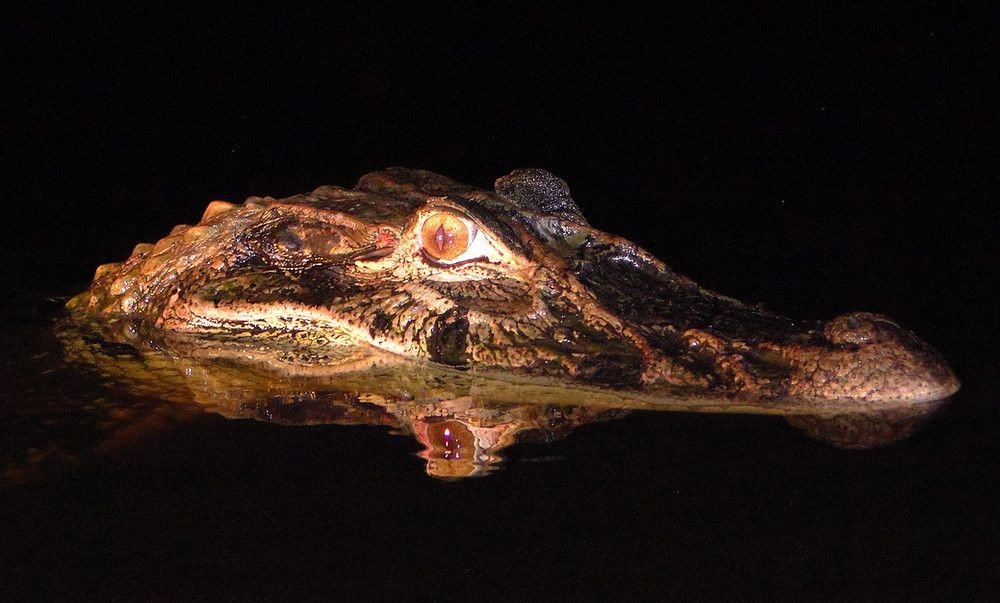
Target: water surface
x,y
108,490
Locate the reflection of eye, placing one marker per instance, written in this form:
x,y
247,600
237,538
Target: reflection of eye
x,y
451,440
446,237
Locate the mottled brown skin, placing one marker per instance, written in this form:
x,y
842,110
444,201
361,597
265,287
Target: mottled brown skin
x,y
340,279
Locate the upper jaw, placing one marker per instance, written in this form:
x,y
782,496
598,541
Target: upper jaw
x,y
855,362
868,360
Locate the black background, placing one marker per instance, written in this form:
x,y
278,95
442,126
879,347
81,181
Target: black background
x,y
815,160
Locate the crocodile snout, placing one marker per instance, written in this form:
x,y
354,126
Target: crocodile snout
x,y
870,359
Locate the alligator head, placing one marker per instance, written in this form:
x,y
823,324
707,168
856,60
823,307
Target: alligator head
x,y
412,266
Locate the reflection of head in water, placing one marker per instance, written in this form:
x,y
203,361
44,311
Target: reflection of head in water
x,y
455,448
463,438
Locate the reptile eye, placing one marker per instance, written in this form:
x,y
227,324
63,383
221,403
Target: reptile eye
x,y
446,236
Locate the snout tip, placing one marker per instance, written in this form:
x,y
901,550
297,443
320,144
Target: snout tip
x,y
871,359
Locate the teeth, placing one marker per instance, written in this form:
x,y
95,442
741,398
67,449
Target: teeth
x,y
178,229
215,208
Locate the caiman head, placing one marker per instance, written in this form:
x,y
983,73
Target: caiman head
x,y
412,266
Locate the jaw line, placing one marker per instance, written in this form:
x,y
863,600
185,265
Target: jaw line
x,y
250,321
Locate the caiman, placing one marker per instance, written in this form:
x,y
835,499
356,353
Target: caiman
x,y
410,267
471,319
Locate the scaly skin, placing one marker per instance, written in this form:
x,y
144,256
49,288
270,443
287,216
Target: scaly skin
x,y
340,279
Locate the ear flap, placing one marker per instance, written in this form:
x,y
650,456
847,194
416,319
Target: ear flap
x,y
537,190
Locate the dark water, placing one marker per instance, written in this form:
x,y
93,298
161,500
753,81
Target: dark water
x,y
816,162
112,493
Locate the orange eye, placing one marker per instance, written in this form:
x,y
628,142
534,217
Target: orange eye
x,y
445,236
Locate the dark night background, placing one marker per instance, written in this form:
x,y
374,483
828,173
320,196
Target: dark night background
x,y
818,161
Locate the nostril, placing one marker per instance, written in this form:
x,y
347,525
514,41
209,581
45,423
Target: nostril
x,y
860,328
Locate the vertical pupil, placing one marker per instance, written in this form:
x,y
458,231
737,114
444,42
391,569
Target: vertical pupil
x,y
445,237
441,238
